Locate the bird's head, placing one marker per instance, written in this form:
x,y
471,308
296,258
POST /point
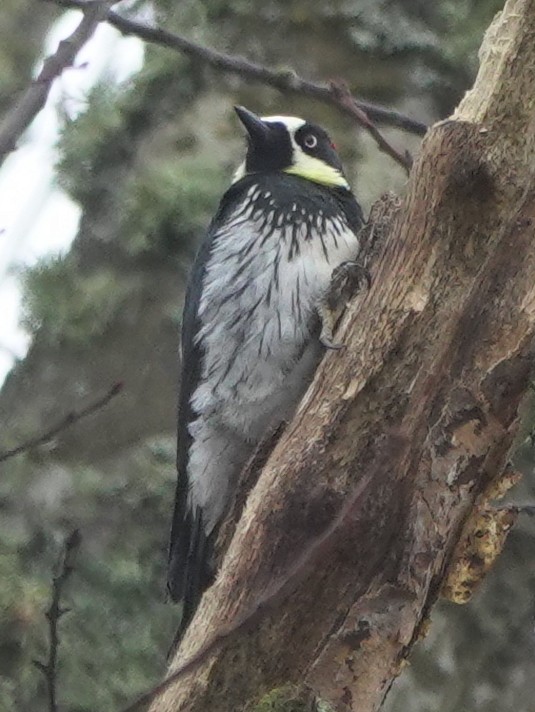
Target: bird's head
x,y
290,145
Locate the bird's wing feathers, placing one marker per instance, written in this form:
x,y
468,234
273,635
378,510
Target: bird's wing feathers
x,y
189,548
351,208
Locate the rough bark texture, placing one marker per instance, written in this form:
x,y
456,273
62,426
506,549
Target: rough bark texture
x,y
438,358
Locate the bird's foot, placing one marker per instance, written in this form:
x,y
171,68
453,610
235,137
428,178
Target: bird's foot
x,y
346,281
326,335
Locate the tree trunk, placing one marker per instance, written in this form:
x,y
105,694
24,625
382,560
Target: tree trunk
x,y
402,432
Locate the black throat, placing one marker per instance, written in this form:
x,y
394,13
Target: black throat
x,y
275,153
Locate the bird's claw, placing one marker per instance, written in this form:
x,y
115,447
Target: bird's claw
x,y
346,280
326,340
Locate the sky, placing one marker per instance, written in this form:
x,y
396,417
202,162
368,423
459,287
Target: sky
x,y
36,217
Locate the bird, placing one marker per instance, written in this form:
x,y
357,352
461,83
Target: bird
x,y
254,324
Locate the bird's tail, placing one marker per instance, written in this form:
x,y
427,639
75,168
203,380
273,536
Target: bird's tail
x,y
190,569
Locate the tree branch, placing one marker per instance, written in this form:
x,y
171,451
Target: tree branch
x,y
346,102
287,81
317,552
440,349
33,100
53,615
70,419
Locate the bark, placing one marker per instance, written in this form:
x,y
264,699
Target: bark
x,y
422,407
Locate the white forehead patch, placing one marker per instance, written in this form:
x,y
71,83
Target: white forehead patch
x,y
292,123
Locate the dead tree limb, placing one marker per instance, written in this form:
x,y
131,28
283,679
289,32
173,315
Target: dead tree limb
x,y
33,100
440,349
287,81
53,615
66,422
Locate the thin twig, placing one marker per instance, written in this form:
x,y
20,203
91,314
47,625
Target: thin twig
x,y
34,99
316,552
53,615
347,101
286,81
73,417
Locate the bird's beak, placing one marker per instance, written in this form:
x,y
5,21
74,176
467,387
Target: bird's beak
x,y
257,129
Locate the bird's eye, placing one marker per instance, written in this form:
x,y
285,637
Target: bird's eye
x,y
311,141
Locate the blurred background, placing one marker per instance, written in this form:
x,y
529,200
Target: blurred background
x,y
101,207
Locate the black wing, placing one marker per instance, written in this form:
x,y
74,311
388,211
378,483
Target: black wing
x,y
351,208
190,569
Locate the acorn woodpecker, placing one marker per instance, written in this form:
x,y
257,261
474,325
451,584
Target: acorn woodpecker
x,y
252,323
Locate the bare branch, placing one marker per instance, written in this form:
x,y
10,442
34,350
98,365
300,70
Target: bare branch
x,y
53,615
348,103
33,100
286,81
70,419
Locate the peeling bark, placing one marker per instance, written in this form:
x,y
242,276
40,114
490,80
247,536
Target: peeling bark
x,y
438,357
